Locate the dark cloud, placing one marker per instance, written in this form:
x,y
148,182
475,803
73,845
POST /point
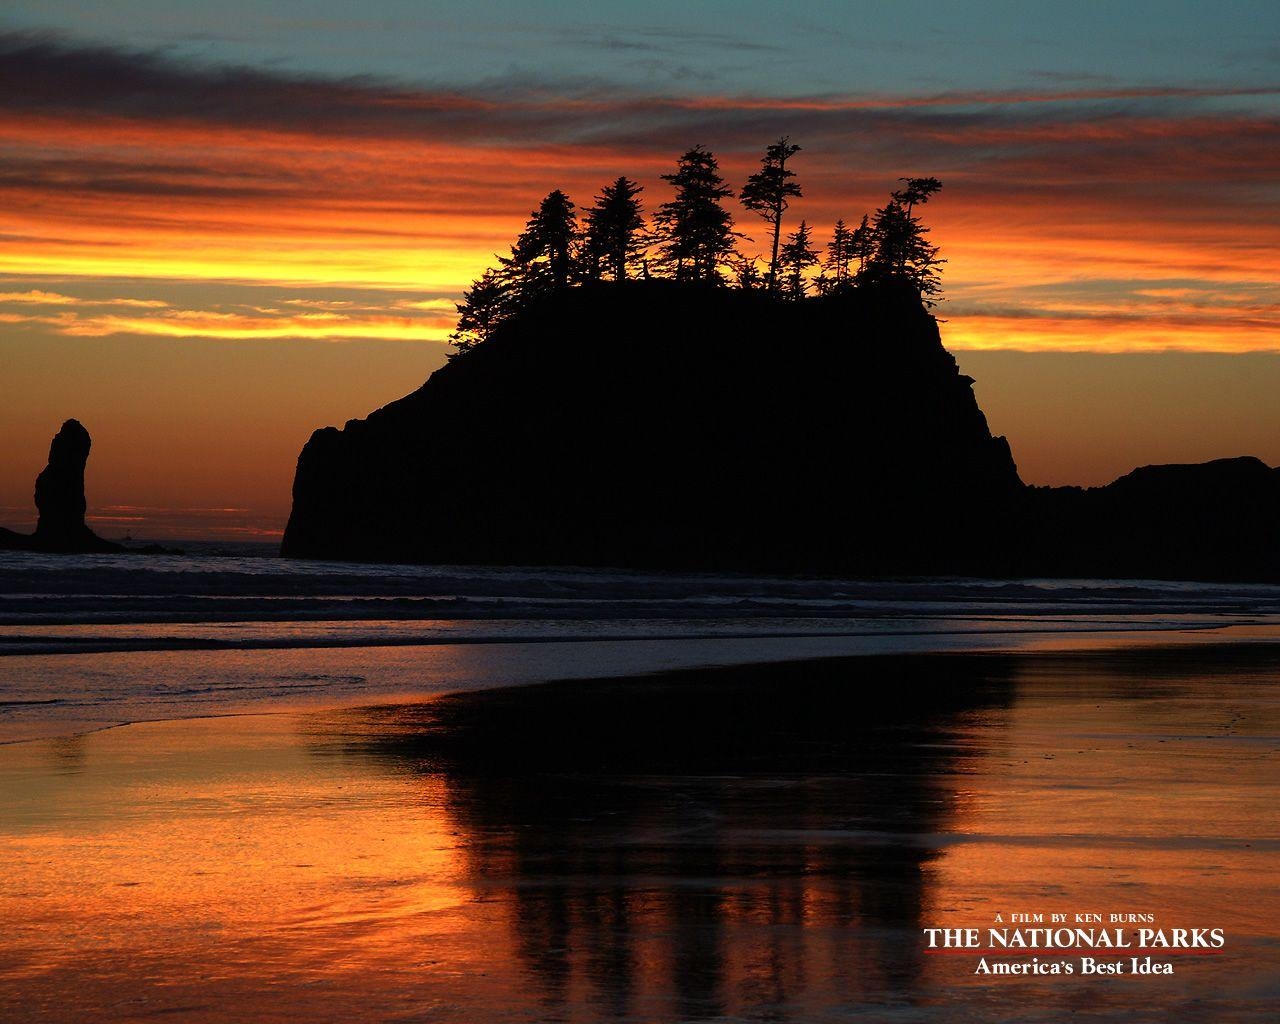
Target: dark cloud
x,y
614,43
1076,78
47,75
40,74
143,178
656,39
25,240
356,154
1261,319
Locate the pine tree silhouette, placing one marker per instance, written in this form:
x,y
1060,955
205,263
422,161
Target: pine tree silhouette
x,y
797,256
542,258
839,256
615,231
485,306
768,192
902,252
696,230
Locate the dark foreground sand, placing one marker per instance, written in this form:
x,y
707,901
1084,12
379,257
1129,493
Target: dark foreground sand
x,y
762,843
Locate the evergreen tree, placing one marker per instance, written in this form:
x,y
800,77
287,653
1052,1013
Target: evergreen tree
x,y
797,256
485,306
862,245
902,251
769,191
542,258
839,256
918,191
614,231
695,228
745,270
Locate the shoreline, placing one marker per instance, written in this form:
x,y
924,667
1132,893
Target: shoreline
x,y
1229,643
18,645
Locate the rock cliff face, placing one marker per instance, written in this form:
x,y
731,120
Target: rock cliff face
x,y
60,486
60,499
660,426
657,426
1217,520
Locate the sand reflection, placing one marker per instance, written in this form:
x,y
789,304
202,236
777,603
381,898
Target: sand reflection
x,y
661,860
741,844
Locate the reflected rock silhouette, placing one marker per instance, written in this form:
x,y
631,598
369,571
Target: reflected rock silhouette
x,y
702,843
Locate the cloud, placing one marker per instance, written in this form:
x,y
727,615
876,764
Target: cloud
x,y
126,164
423,321
36,297
666,41
44,74
321,303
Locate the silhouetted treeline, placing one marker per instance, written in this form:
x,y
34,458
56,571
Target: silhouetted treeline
x,y
691,238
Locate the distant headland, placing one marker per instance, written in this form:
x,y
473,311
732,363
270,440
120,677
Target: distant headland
x,y
639,395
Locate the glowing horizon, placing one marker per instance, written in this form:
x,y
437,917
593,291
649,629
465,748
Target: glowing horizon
x,y
156,195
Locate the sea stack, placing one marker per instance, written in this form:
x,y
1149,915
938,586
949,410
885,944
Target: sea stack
x,y
60,500
60,489
664,426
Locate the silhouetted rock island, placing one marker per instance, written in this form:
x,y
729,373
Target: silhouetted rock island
x,y
659,425
60,500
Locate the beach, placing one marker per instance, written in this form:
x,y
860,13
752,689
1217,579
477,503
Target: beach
x,y
643,839
623,514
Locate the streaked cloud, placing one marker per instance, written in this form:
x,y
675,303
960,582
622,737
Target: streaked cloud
x,y
421,322
126,164
35,297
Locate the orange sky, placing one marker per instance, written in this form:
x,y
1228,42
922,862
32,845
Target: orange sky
x,y
238,269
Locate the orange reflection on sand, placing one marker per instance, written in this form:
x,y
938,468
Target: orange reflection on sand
x,y
632,850
1120,786
251,863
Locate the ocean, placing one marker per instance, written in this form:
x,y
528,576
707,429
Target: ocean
x,y
235,788
100,640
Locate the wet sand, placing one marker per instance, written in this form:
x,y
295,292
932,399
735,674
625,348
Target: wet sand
x,y
749,843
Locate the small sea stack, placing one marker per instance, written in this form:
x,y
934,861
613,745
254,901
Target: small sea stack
x,y
60,500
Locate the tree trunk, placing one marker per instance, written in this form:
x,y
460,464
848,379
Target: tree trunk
x,y
773,260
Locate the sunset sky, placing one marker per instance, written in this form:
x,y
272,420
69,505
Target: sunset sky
x,y
226,225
